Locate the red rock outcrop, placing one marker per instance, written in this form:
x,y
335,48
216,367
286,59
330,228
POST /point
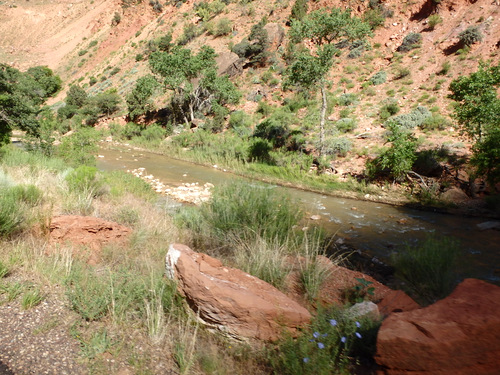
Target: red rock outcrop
x,y
458,335
91,232
231,300
340,280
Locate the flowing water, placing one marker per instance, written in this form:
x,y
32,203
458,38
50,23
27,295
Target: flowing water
x,y
375,228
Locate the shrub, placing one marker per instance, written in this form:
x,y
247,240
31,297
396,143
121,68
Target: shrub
x,y
116,19
223,27
327,346
85,179
239,119
208,10
435,122
470,36
345,125
80,147
11,212
131,130
190,32
273,131
139,57
430,269
259,151
401,72
356,52
411,41
153,132
82,52
389,109
114,71
434,20
413,119
337,146
347,99
299,10
378,78
445,68
396,161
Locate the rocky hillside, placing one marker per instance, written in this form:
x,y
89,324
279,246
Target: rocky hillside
x,y
103,44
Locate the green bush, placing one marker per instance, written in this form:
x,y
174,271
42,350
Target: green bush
x,y
411,41
429,269
208,10
273,131
389,109
337,146
80,147
470,36
239,119
153,132
378,78
434,20
85,179
190,32
445,68
397,160
259,151
435,122
131,130
347,99
12,212
402,72
327,347
346,125
414,119
223,27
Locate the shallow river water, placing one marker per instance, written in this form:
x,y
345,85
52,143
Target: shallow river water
x,y
375,228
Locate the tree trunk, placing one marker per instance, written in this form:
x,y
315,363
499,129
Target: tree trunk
x,y
322,121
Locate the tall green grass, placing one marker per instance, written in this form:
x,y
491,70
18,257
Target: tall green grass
x,y
430,268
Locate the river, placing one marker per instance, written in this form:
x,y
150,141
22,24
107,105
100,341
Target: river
x,y
375,228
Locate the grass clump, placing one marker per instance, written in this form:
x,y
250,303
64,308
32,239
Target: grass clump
x,y
413,119
243,210
31,298
429,269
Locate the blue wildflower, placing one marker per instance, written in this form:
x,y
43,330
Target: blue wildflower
x,y
333,322
358,335
324,334
305,359
358,324
343,339
321,345
316,335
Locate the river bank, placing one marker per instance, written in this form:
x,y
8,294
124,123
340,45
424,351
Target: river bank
x,y
456,202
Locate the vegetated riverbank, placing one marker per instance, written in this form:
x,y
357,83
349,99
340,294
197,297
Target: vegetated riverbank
x,y
306,177
109,306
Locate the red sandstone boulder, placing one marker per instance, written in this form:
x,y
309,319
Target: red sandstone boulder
x,y
231,300
457,335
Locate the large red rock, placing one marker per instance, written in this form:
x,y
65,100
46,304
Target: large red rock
x,y
231,300
458,335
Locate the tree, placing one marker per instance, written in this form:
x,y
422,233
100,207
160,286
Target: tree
x,y
139,100
478,112
193,80
21,95
323,29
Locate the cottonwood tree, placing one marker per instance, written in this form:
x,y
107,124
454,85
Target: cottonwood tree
x,y
478,112
21,95
323,29
193,80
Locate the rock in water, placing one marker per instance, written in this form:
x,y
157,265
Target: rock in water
x,y
458,335
231,300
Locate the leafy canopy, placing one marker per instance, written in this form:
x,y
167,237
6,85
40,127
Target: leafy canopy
x,y
478,112
21,95
321,27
